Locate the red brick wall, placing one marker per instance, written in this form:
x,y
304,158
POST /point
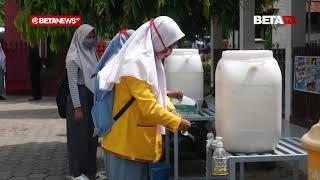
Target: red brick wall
x,y
17,77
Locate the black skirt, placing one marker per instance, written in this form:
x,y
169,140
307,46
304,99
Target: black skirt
x,y
82,147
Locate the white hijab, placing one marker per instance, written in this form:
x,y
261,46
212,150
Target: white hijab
x,y
137,58
85,58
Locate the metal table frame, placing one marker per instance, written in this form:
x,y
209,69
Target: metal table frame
x,y
288,149
203,115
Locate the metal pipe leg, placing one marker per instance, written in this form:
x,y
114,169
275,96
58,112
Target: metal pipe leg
x,y
241,170
167,149
176,156
295,169
208,162
232,170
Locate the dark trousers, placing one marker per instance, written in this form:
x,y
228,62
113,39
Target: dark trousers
x,y
82,147
2,89
35,78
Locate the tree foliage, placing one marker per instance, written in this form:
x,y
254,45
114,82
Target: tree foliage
x,y
107,16
1,13
189,14
59,36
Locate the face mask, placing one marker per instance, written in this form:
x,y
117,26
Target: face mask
x,y
89,42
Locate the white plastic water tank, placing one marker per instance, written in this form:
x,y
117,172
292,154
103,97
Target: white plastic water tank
x,y
248,100
184,72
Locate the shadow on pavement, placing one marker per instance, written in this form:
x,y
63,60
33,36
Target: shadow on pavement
x,y
48,113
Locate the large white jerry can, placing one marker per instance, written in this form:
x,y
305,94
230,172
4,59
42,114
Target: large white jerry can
x,y
248,88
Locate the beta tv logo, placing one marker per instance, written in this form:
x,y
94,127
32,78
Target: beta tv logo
x,y
274,20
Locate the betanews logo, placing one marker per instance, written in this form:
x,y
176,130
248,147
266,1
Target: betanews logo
x,y
274,20
55,20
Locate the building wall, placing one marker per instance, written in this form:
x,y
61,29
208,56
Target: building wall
x,y
299,29
280,34
287,37
247,28
18,64
17,77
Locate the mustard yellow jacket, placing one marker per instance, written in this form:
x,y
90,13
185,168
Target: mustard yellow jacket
x,y
134,135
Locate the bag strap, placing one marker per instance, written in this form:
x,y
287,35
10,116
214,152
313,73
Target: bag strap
x,y
65,82
124,108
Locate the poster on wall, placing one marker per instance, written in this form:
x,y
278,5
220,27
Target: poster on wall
x,y
307,74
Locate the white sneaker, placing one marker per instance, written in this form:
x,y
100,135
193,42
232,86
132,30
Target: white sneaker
x,y
82,177
76,178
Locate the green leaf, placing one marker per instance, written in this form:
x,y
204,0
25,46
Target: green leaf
x,y
206,7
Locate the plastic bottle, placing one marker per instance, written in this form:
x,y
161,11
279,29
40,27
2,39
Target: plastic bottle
x,y
220,160
218,139
210,138
215,142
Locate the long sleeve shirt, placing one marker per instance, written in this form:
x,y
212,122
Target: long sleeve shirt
x,y
134,136
75,78
2,59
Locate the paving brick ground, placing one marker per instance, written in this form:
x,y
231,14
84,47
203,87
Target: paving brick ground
x,y
33,146
32,140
